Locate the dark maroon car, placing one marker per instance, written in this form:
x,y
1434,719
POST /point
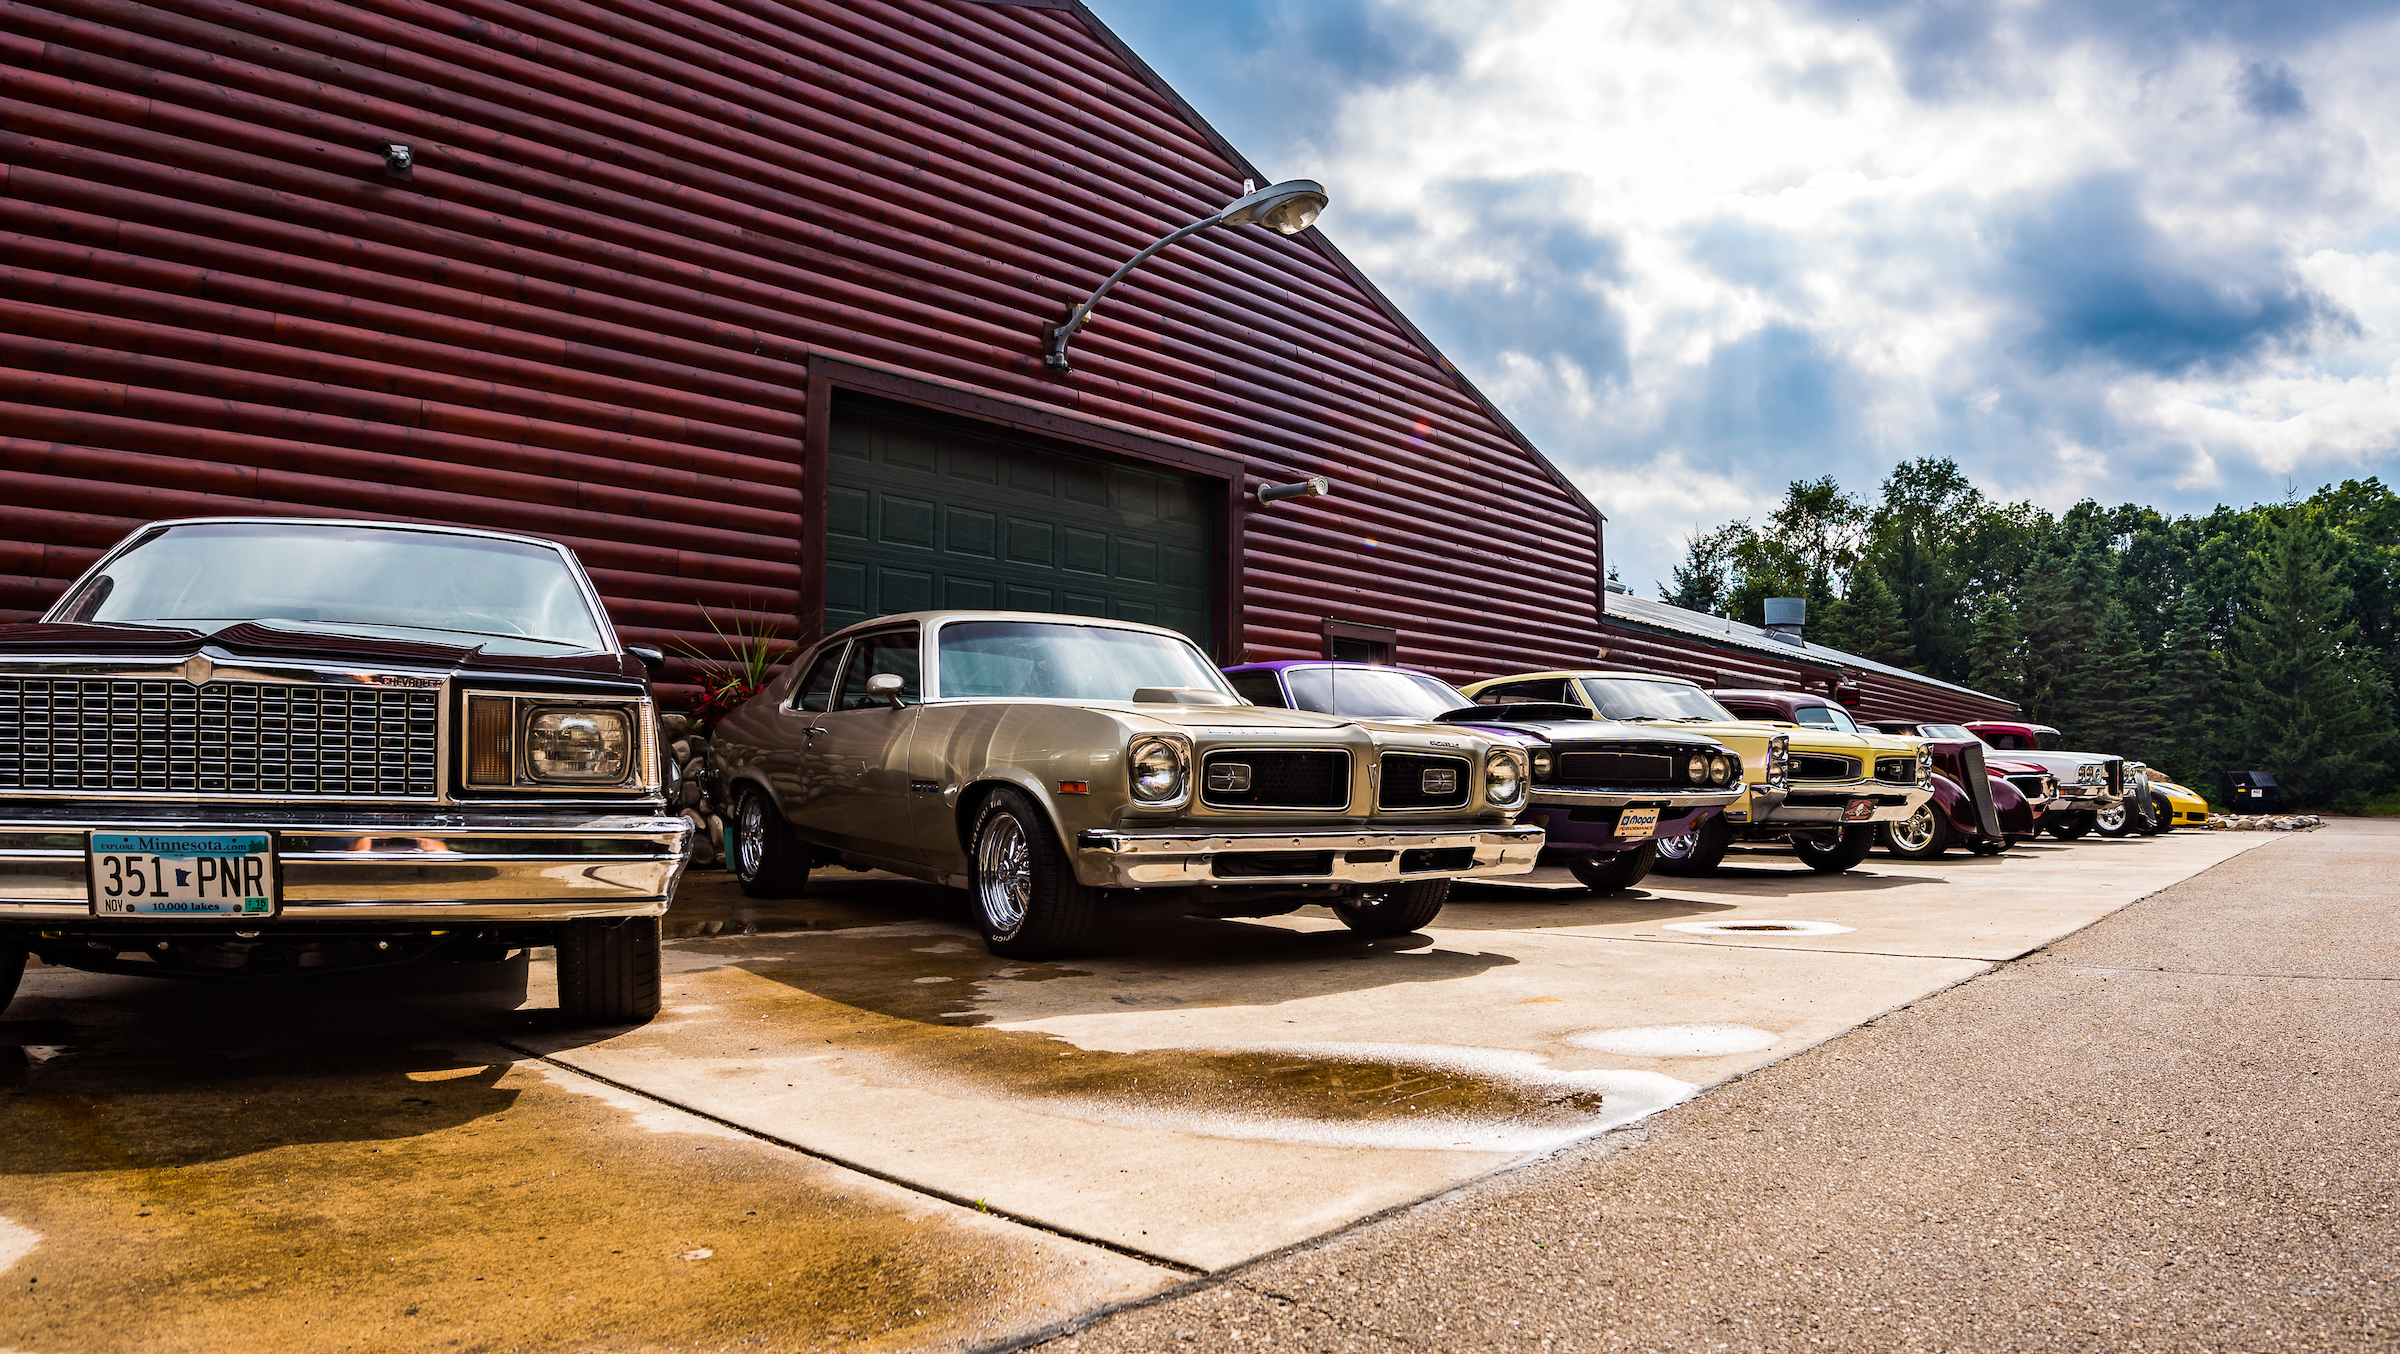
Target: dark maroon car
x,y
1604,792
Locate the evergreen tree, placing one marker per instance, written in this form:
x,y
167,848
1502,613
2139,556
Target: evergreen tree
x,y
2121,709
2066,594
2308,706
2190,683
1867,622
1997,662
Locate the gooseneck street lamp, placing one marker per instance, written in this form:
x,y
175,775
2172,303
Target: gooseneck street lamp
x,y
1288,207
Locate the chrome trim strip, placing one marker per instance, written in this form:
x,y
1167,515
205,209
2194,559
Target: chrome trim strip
x,y
1569,797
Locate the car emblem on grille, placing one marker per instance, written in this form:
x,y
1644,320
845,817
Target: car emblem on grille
x,y
197,669
1230,777
1439,780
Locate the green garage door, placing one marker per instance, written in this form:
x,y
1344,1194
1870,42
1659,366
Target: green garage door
x,y
923,513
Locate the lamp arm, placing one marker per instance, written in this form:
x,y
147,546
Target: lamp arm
x,y
1055,357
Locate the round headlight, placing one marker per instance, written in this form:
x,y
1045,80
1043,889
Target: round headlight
x,y
1157,767
1503,778
1696,770
1720,770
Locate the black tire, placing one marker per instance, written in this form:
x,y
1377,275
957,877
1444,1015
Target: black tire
x,y
1395,909
769,860
12,972
1842,853
1694,852
2069,826
608,970
1623,870
1925,836
2162,816
1027,900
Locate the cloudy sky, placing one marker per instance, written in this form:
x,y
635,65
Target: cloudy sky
x,y
2141,251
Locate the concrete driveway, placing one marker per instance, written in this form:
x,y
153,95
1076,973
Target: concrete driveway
x,y
855,1128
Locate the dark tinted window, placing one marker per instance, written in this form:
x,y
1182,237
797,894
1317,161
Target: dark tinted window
x,y
815,692
1541,689
2009,742
1258,688
890,651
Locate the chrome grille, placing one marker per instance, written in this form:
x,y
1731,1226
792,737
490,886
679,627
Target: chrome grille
x,y
162,736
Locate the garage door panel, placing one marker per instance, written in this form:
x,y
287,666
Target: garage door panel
x,y
961,517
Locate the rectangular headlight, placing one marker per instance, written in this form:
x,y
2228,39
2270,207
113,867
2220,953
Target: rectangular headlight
x,y
536,742
579,745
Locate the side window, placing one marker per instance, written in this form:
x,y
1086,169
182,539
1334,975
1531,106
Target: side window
x,y
890,651
1553,689
2010,742
815,692
1817,715
1258,688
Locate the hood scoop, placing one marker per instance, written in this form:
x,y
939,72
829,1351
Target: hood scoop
x,y
1182,695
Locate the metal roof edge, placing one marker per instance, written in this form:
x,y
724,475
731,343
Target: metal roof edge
x,y
1752,638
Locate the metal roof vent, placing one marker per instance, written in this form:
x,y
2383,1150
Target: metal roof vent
x,y
1787,617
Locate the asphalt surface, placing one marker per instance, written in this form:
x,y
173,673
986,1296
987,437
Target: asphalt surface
x,y
2174,1130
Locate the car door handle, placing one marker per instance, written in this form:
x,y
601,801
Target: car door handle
x,y
815,729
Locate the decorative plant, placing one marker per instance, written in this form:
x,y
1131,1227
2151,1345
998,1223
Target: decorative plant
x,y
752,652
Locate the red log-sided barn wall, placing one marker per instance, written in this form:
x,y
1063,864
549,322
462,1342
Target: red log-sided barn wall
x,y
591,312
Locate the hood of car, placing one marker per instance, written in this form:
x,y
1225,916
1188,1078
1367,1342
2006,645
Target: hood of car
x,y
1593,731
266,643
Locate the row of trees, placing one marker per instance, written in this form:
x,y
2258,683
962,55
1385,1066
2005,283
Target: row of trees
x,y
2258,637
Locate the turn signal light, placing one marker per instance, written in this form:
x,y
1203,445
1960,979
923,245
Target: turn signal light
x,y
491,740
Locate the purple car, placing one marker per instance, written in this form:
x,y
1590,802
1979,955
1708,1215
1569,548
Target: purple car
x,y
1603,791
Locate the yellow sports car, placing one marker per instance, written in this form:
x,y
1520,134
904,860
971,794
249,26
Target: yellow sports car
x,y
1824,790
2173,806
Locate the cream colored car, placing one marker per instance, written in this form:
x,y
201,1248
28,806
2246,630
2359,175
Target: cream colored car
x,y
1052,763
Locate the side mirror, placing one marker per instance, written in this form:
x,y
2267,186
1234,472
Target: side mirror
x,y
886,686
653,661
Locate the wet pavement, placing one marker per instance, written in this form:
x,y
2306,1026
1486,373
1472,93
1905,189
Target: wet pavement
x,y
2173,1131
855,1128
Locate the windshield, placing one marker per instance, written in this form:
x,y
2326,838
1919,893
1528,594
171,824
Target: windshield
x,y
1054,661
1632,698
1371,693
1825,717
508,595
1943,731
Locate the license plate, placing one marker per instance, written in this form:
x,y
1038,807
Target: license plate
x,y
183,874
1637,822
1859,811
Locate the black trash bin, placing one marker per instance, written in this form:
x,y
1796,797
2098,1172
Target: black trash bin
x,y
2254,792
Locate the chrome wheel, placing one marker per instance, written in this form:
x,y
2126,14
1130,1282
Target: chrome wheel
x,y
2111,821
750,844
1916,833
1678,848
1003,873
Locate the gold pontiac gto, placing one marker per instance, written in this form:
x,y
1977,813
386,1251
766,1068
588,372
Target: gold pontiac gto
x,y
1822,788
1050,763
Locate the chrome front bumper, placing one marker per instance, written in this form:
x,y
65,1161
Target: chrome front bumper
x,y
1825,803
1112,858
1673,801
384,868
2081,796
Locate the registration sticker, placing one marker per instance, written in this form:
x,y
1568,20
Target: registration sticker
x,y
1637,822
1859,811
183,874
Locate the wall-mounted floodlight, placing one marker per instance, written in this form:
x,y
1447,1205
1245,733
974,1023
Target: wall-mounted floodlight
x,y
1315,486
1289,207
398,161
